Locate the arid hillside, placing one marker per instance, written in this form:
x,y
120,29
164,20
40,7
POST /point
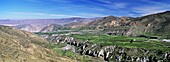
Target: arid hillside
x,y
21,46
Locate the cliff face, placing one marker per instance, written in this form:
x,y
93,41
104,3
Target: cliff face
x,y
21,46
153,24
112,52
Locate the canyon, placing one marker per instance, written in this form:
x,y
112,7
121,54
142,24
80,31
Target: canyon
x,y
111,52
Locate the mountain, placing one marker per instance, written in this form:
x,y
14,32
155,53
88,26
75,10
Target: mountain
x,y
52,28
153,24
35,25
158,24
75,24
45,21
110,21
30,27
78,24
22,46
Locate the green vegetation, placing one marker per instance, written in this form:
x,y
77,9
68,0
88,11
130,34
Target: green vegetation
x,y
161,35
50,33
70,54
124,41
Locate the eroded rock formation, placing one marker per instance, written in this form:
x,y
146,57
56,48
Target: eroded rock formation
x,y
113,52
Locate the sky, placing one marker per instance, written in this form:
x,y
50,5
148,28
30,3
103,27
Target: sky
x,y
47,9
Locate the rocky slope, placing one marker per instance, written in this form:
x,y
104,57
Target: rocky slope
x,y
75,25
110,21
21,46
30,27
52,28
111,25
155,24
152,24
113,52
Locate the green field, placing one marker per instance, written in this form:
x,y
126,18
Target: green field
x,y
70,54
124,41
107,40
50,33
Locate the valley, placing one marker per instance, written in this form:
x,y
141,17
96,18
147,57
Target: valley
x,y
109,47
115,39
104,39
85,31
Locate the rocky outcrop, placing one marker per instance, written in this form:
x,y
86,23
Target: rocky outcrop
x,y
52,28
156,24
30,27
75,25
112,25
113,53
109,22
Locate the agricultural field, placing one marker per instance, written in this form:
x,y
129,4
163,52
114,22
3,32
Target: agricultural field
x,y
131,44
71,54
124,41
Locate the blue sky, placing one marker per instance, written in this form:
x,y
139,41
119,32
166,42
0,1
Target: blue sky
x,y
42,9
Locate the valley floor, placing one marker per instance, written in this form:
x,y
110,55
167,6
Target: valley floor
x,y
59,40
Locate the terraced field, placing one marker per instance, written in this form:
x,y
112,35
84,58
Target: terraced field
x,y
139,47
124,41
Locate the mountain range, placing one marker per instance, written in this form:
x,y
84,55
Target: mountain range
x,y
36,25
158,23
153,24
22,46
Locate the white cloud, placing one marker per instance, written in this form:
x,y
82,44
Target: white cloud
x,y
120,5
91,14
30,15
155,2
115,5
156,7
146,10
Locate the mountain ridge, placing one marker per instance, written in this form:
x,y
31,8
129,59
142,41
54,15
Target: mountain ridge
x,y
22,46
36,25
157,23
